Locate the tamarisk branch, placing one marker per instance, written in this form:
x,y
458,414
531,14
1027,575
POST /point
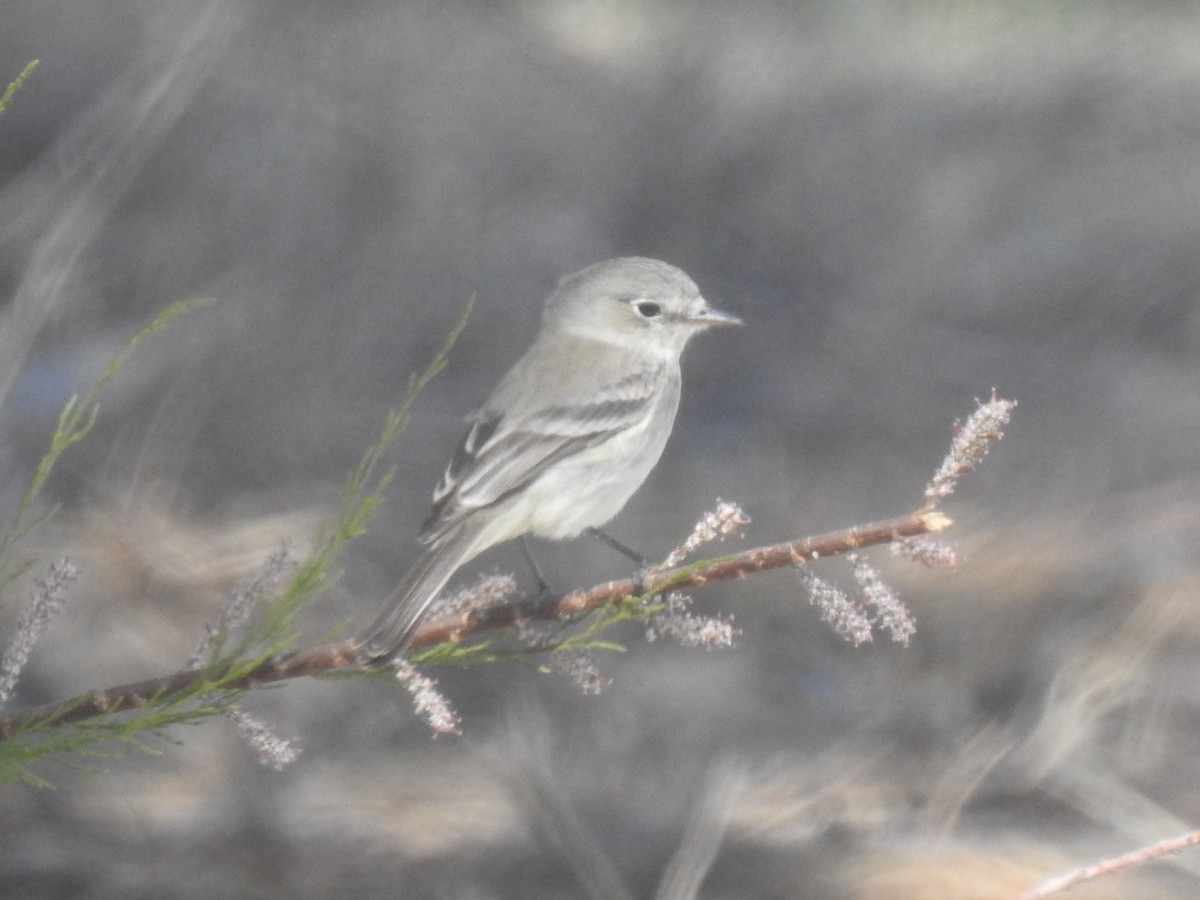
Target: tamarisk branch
x,y
971,440
344,655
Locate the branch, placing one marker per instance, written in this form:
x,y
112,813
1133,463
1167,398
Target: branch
x,y
726,568
1113,865
456,628
223,679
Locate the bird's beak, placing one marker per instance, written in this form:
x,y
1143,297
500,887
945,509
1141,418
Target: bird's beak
x,y
712,316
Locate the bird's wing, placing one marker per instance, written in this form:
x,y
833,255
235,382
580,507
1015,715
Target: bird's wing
x,y
501,453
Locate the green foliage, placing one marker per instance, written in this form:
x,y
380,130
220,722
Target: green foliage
x,y
105,737
16,85
271,628
74,422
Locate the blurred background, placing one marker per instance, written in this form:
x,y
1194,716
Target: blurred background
x,y
908,203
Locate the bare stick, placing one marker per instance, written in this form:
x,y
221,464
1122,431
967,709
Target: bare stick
x,y
1112,865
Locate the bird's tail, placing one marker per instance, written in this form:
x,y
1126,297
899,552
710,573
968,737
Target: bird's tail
x,y
395,625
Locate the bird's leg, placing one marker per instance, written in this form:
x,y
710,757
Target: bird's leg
x,y
619,547
644,565
543,585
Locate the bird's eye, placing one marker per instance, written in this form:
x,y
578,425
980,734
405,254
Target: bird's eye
x,y
648,309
